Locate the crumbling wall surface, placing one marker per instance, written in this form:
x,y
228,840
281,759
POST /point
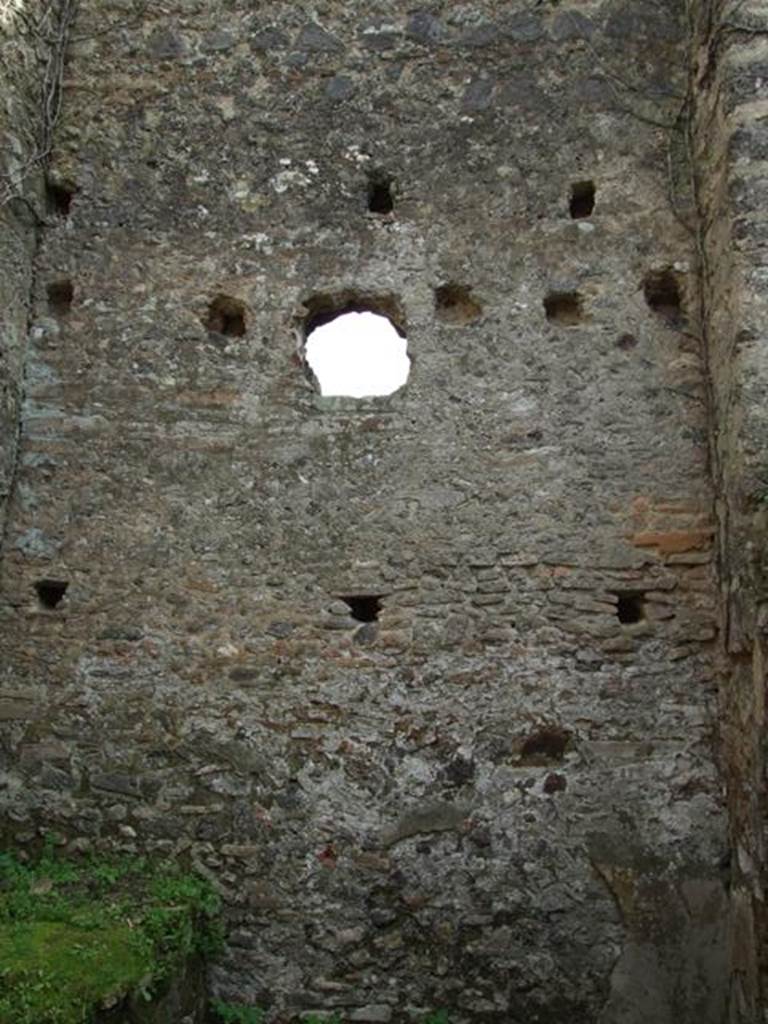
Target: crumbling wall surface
x,y
27,30
731,92
500,797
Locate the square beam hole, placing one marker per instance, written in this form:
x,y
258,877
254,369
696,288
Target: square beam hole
x,y
545,746
582,199
50,593
363,607
630,607
455,304
59,194
664,296
60,295
226,315
380,198
564,308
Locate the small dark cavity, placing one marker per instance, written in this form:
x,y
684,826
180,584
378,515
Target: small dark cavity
x,y
545,745
59,196
582,199
380,198
454,304
50,593
363,607
663,295
60,296
565,308
630,607
460,771
226,316
626,342
555,783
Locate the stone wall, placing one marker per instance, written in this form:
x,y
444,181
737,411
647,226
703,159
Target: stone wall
x,y
501,797
730,87
28,67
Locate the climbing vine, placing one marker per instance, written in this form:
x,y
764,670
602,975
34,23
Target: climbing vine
x,y
51,31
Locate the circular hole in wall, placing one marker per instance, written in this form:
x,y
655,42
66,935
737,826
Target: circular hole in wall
x,y
358,351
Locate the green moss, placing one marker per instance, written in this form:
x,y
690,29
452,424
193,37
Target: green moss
x,y
59,972
236,1013
76,937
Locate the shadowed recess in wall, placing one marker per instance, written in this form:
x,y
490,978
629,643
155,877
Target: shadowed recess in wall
x,y
59,195
664,296
60,296
564,308
582,199
455,305
50,593
545,745
630,607
363,607
226,316
380,197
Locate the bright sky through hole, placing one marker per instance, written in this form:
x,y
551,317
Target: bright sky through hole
x,y
358,354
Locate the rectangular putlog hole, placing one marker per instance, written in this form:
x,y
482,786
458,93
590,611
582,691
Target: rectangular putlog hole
x,y
630,607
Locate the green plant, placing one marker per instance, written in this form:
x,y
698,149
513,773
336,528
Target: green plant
x,y
437,1017
237,1013
74,935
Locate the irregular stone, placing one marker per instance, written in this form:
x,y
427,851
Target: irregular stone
x,y
479,94
569,25
480,35
379,34
269,39
18,710
377,1013
166,44
35,544
340,88
425,28
432,817
314,39
242,851
218,41
112,782
278,629
525,27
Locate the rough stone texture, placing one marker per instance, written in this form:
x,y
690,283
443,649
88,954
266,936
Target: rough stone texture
x,y
732,163
183,999
500,799
24,51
